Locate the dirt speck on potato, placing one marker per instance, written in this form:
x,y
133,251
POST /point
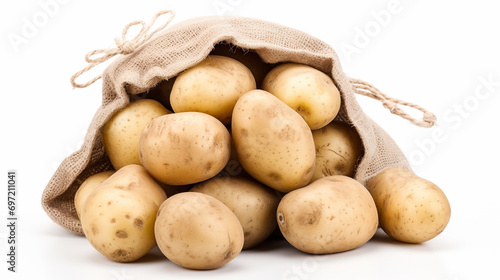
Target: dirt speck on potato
x,y
121,234
95,230
120,254
275,176
312,215
244,132
139,223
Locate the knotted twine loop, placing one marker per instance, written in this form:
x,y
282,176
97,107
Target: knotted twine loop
x,y
366,89
123,46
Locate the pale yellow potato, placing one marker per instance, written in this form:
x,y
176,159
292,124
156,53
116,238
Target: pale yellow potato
x,y
308,91
273,143
338,149
250,58
120,134
118,216
197,231
212,86
87,187
411,209
253,203
184,148
332,214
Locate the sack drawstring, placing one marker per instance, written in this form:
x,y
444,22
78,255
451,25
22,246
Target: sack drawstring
x,y
123,46
366,89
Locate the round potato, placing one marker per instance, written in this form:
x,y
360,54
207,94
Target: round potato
x,y
332,214
213,86
253,203
120,135
308,91
411,209
338,149
197,231
184,148
118,217
87,187
273,143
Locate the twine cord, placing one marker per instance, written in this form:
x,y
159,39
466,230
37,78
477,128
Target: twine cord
x,y
366,89
123,46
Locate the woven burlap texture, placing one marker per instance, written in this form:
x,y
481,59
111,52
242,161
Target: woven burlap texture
x,y
184,45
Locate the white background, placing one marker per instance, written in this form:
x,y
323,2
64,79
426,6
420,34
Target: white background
x,y
432,53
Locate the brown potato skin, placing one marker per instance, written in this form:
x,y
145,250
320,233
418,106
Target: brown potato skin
x,y
411,209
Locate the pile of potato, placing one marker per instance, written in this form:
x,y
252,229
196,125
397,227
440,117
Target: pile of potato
x,y
235,154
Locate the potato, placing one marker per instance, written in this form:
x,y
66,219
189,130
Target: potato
x,y
308,91
118,216
273,143
87,187
213,86
197,231
338,149
253,204
332,214
120,135
411,209
184,148
250,58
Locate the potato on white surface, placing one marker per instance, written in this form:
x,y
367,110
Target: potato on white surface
x,y
411,209
332,214
197,231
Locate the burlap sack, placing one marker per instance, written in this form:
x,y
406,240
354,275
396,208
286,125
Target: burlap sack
x,y
147,62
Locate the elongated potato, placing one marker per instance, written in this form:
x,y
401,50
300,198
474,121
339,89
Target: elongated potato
x,y
332,214
118,217
273,143
197,231
411,209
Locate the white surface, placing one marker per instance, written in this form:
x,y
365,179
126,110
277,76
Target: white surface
x,y
433,54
